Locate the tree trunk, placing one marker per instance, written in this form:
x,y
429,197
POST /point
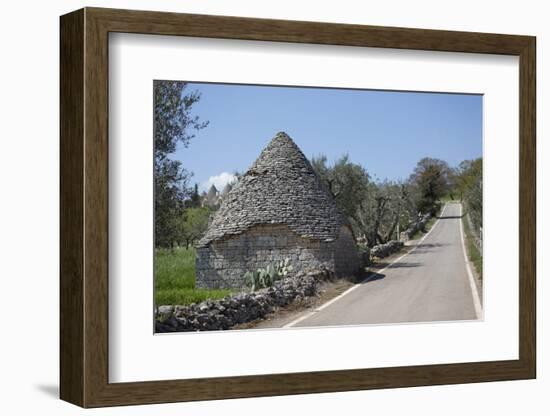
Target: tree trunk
x,y
392,228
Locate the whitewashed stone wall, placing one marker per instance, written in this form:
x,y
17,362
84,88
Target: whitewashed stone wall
x,y
223,263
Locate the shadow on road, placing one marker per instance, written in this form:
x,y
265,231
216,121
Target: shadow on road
x,y
404,264
427,247
365,276
399,264
372,276
450,217
431,245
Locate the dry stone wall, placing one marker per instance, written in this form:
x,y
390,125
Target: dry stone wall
x,y
415,227
214,315
386,249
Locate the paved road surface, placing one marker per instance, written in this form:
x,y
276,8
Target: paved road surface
x,y
429,284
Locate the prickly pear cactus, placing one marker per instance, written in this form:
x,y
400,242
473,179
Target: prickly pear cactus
x,y
266,277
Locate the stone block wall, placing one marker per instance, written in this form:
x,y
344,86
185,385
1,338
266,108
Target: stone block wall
x,y
223,263
387,249
346,257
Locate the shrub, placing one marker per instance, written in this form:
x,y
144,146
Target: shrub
x,y
266,277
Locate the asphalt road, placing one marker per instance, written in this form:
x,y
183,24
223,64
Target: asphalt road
x,y
429,284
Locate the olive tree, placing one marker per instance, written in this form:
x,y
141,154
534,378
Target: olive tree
x,y
173,125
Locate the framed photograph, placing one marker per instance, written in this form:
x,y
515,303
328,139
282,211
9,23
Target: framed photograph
x,y
254,207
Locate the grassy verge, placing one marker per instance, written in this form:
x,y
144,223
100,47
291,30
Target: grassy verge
x,y
175,279
473,253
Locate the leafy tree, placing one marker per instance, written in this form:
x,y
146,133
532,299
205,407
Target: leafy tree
x,y
431,178
374,210
396,211
173,123
469,187
388,207
194,200
346,181
466,174
173,117
192,225
170,192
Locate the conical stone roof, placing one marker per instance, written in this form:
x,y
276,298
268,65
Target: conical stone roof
x,y
281,187
212,192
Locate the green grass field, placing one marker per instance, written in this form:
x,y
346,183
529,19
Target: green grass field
x,y
175,279
473,253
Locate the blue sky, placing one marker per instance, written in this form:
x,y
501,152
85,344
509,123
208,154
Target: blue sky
x,y
386,132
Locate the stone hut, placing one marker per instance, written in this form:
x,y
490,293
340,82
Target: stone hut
x,y
279,209
211,198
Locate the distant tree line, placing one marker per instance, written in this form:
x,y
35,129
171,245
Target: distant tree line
x,y
378,210
468,183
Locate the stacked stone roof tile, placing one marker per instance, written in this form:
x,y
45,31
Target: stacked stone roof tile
x,y
281,187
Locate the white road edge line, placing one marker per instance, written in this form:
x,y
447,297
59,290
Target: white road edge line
x,y
473,287
351,289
